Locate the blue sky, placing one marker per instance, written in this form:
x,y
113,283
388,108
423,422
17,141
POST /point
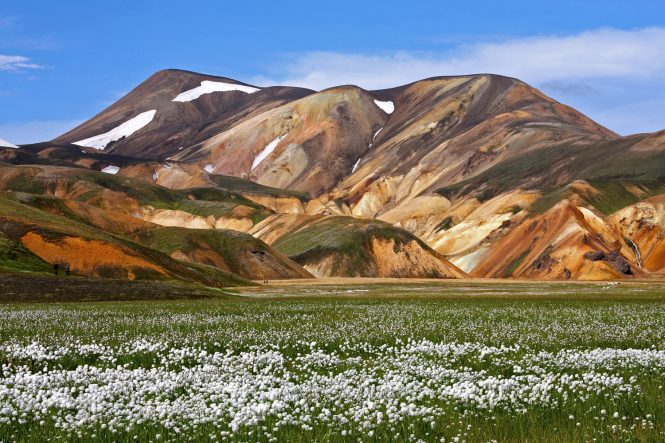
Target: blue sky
x,y
62,62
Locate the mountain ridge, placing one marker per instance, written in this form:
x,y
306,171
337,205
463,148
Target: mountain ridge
x,y
464,164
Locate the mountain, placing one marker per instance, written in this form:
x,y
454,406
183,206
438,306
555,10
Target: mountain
x,y
347,246
97,222
33,239
157,126
479,175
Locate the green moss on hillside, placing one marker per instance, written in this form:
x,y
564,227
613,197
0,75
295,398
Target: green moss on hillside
x,y
14,257
617,194
345,237
607,163
227,243
18,218
243,185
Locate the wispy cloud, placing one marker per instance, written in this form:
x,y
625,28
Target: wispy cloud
x,y
17,63
624,68
593,54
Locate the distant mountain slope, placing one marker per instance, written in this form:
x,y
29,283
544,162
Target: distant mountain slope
x,y
133,210
345,140
177,124
348,247
477,175
448,129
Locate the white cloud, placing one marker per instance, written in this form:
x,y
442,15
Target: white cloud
x,y
591,70
36,131
588,55
16,63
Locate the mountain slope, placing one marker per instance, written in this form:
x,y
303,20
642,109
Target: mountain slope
x,y
177,124
348,247
126,208
481,173
308,145
89,251
230,251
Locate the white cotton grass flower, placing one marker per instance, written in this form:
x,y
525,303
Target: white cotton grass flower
x,y
209,374
246,388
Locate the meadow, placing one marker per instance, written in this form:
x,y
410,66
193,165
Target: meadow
x,y
397,361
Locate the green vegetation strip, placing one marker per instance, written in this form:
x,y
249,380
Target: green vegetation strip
x,y
377,362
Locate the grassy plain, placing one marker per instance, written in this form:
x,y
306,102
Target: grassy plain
x,y
375,361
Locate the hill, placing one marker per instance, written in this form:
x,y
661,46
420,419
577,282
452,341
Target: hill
x,y
475,174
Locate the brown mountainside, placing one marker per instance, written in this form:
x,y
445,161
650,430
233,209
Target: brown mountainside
x,y
477,174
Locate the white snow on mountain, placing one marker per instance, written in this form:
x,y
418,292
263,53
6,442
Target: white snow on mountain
x,y
267,150
355,166
370,145
374,138
208,86
124,130
111,169
388,106
209,168
6,144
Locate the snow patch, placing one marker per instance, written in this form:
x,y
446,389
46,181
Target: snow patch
x,y
374,138
636,250
111,169
155,176
6,144
124,130
208,86
267,150
388,107
356,165
209,168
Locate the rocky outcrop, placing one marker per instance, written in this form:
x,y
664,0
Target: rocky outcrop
x,y
614,259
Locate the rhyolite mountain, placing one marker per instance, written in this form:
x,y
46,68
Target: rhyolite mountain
x,y
474,175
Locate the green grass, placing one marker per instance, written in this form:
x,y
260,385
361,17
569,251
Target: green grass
x,y
24,218
356,323
14,257
238,184
229,244
347,237
615,195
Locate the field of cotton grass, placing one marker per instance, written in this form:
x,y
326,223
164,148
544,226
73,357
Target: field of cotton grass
x,y
398,362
